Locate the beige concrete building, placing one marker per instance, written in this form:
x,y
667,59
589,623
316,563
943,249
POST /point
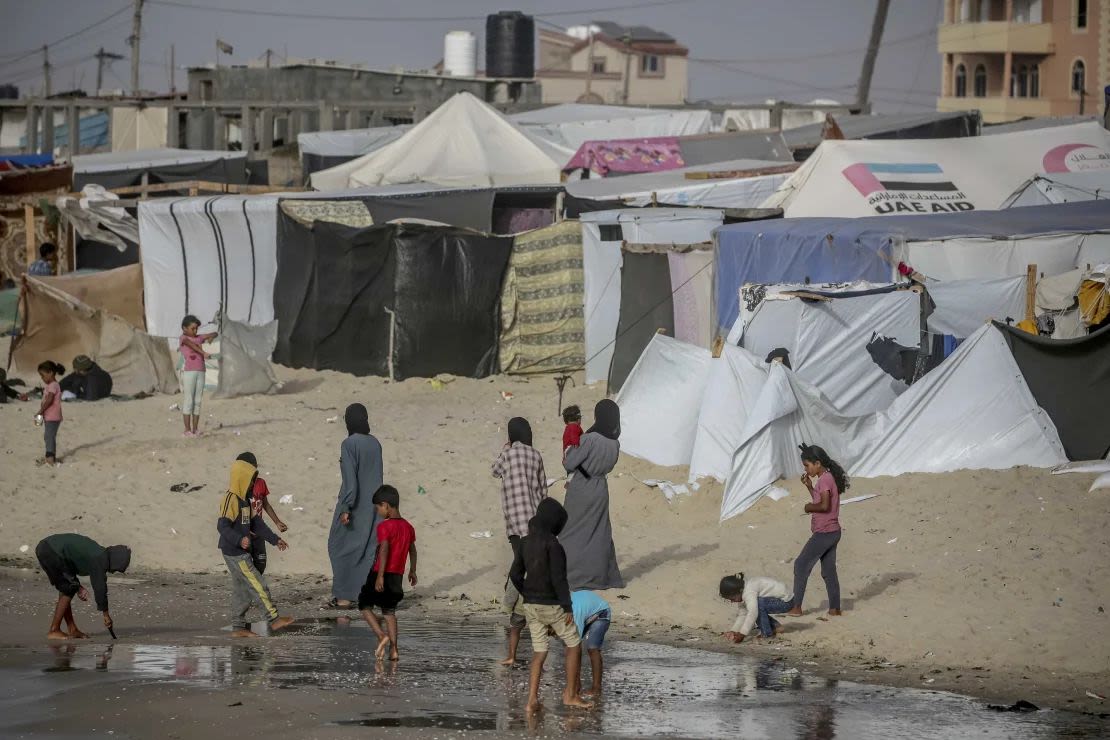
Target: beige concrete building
x,y
1017,58
609,63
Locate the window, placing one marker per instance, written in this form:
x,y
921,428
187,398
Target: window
x,y
1035,81
980,81
597,65
961,81
1022,82
1078,76
1081,14
651,65
206,89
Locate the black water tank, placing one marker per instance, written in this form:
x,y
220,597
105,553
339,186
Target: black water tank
x,y
9,92
510,45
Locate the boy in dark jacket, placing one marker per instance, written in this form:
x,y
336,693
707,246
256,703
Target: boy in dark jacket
x,y
63,557
239,527
539,573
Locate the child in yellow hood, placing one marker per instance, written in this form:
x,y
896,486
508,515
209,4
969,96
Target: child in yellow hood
x,y
239,529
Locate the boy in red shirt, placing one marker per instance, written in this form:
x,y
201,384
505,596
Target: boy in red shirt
x,y
260,502
383,587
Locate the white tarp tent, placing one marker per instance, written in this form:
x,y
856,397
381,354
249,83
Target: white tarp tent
x,y
465,142
673,187
974,411
1063,187
602,235
963,306
570,125
827,341
865,178
203,253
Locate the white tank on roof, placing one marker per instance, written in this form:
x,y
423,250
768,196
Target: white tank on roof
x,y
460,54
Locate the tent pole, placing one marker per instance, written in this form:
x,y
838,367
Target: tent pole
x,y
1030,292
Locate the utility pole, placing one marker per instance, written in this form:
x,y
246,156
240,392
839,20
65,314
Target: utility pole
x,y
627,66
268,53
173,72
877,25
136,32
589,68
45,71
102,57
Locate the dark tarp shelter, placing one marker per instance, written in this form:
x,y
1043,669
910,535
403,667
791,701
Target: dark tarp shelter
x,y
931,125
647,306
339,290
469,209
126,169
1068,377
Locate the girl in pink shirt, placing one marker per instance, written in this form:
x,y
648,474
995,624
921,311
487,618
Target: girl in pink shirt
x,y
824,525
51,408
192,375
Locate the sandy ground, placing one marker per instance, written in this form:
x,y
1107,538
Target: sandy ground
x,y
983,582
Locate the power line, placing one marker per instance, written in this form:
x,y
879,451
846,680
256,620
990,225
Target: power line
x,y
406,19
19,56
820,55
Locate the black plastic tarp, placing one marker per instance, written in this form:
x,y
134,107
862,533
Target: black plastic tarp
x,y
335,283
470,209
1070,378
647,305
232,171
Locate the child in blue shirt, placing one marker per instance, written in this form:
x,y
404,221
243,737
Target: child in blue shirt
x,y
591,616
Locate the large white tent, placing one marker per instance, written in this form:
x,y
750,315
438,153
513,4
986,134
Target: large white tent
x,y
464,143
865,178
1063,187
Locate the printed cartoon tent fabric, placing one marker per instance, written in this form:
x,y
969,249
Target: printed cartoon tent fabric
x,y
874,177
199,254
956,246
464,143
1062,187
542,304
974,411
126,168
603,233
1067,376
58,326
406,300
654,154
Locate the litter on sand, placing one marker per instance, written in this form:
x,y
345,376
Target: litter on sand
x,y
24,548
286,499
331,419
483,535
891,542
298,508
778,493
1103,481
669,489
1093,695
1083,466
857,499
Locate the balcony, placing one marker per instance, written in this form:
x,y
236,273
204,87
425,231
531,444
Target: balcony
x,y
995,37
999,109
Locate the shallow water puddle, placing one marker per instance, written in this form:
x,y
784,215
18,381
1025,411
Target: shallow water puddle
x,y
448,679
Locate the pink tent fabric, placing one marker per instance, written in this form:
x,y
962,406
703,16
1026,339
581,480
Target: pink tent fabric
x,y
628,155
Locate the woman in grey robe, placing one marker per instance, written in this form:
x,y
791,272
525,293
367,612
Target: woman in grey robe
x,y
588,535
353,540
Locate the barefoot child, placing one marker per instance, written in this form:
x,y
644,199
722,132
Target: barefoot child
x,y
383,589
523,486
539,573
592,616
63,557
824,526
758,598
192,376
239,528
51,408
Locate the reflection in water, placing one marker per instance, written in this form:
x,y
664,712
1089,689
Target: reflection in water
x,y
447,678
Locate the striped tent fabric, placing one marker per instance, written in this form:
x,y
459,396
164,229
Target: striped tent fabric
x,y
542,302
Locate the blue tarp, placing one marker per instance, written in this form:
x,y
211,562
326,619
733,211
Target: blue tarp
x,y
94,133
843,249
28,160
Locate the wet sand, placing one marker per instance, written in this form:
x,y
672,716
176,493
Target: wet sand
x,y
175,668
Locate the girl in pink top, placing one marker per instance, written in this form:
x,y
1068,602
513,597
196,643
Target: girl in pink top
x,y
824,525
192,376
51,408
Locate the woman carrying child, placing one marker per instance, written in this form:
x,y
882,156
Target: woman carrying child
x,y
824,525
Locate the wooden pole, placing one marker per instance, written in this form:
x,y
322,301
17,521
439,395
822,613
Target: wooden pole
x,y
863,93
29,226
1030,292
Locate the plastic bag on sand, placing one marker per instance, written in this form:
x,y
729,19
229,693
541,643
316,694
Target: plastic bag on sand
x,y
1103,481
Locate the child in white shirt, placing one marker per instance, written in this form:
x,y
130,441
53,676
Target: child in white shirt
x,y
759,598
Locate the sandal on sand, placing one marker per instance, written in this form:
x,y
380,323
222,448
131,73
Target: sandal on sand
x,y
334,604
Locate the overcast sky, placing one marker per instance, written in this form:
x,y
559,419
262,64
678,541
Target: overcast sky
x,y
750,49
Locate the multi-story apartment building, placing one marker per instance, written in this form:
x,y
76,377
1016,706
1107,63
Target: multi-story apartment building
x,y
1017,58
609,63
